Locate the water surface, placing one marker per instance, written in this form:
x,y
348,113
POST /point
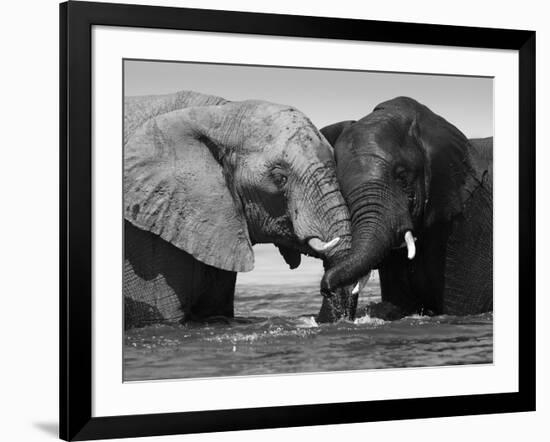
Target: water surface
x,y
275,332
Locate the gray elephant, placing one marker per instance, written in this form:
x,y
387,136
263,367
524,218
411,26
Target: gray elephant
x,y
204,180
421,206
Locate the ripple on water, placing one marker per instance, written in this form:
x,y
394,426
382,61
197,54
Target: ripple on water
x,y
272,335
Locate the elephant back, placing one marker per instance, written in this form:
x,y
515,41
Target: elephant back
x,y
483,148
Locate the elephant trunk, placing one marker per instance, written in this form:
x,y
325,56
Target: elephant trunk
x,y
379,220
322,219
344,302
333,228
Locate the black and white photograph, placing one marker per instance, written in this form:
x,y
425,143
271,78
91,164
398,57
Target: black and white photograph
x,y
282,220
275,221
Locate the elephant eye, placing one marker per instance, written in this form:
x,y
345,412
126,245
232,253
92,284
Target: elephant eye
x,y
401,176
279,179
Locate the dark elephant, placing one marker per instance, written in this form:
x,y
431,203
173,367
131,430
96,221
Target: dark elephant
x,y
204,180
421,206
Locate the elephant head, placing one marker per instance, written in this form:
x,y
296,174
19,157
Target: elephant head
x,y
216,177
402,169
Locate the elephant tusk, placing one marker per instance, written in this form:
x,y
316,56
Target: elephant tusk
x,y
360,284
320,246
411,248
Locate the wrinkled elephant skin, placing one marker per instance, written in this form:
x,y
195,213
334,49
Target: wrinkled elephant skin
x,y
204,180
420,200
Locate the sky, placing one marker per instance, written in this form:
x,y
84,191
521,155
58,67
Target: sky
x,y
326,97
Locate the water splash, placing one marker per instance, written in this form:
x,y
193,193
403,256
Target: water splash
x,y
307,322
368,320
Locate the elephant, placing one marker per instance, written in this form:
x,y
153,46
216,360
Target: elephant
x,y
421,206
204,180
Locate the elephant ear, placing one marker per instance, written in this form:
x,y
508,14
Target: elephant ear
x,y
174,187
333,132
137,110
451,172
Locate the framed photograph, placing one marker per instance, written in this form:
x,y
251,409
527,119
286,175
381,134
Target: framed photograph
x,y
273,220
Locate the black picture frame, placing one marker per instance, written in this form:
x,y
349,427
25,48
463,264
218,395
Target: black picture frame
x,y
76,21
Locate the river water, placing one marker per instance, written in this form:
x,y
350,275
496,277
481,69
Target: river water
x,y
274,331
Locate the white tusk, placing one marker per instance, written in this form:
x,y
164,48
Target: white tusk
x,y
320,246
411,248
360,284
